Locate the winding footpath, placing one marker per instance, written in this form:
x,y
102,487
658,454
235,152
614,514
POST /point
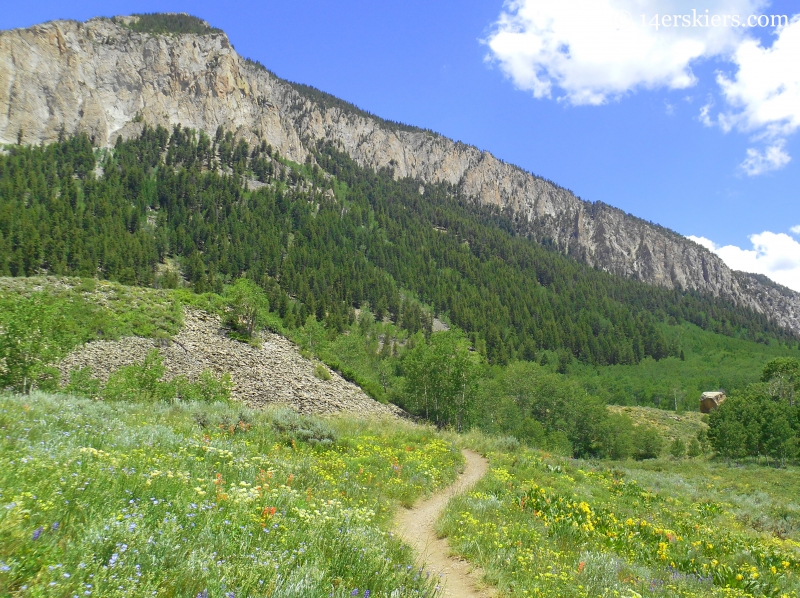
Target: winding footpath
x,y
416,527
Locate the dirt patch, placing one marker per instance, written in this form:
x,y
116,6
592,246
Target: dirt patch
x,y
416,527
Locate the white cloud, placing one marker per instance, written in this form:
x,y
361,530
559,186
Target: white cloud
x,y
707,243
795,229
591,51
776,255
771,158
705,113
765,92
764,96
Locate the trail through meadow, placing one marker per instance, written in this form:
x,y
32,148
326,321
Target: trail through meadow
x,y
416,526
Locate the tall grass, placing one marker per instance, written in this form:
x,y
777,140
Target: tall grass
x,y
140,499
546,526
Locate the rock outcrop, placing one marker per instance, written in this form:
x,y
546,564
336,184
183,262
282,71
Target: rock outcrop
x,y
273,374
104,79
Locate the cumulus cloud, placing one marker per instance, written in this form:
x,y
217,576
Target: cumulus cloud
x,y
705,115
707,243
795,229
765,91
594,50
776,255
764,97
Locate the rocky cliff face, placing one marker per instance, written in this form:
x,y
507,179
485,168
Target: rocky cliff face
x,y
102,78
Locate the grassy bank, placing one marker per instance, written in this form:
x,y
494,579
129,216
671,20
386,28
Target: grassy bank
x,y
177,499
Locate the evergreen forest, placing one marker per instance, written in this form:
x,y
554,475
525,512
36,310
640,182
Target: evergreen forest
x,y
336,248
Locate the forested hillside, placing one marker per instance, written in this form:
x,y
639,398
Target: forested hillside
x,y
168,69
329,239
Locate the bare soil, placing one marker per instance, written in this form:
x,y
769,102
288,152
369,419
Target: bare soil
x,y
416,527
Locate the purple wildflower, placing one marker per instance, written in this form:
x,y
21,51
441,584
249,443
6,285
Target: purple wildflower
x,y
38,533
366,593
203,594
354,592
55,525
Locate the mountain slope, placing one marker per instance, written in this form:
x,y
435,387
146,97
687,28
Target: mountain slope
x,y
105,79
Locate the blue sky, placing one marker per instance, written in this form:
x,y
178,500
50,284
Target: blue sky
x,y
625,127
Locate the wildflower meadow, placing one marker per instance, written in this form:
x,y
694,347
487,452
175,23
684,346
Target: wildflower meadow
x,y
102,498
546,526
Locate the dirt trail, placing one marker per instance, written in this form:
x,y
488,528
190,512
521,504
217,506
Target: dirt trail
x,y
416,527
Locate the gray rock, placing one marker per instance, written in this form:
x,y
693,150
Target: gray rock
x,y
274,373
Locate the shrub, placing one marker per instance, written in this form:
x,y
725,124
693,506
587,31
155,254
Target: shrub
x,y
38,327
648,443
695,449
167,280
82,383
301,427
87,285
321,372
248,304
755,422
139,381
678,448
26,340
208,389
143,382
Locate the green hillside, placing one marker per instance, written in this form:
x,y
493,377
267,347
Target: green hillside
x,y
354,265
685,426
438,377
711,361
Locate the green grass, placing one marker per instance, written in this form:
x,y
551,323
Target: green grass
x,y
102,309
671,425
545,526
712,361
141,499
175,498
43,319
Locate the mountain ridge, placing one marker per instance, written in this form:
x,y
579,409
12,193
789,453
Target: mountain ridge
x,y
103,78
